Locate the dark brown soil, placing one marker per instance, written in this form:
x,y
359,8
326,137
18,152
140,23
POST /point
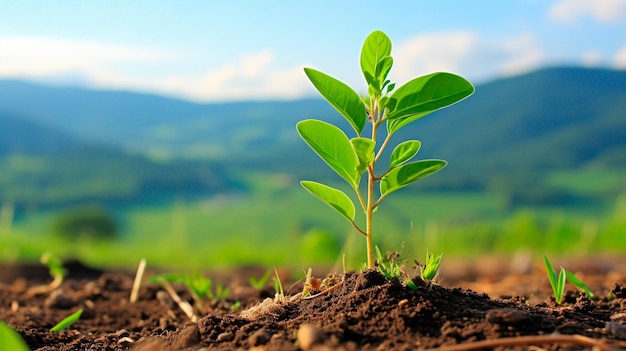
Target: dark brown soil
x,y
479,305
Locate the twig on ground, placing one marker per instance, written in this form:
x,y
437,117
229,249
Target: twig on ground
x,y
323,292
528,340
184,305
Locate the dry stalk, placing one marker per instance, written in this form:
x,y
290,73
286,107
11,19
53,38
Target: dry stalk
x,y
528,340
184,305
323,292
137,283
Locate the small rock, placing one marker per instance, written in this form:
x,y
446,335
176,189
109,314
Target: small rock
x,y
309,335
616,329
507,316
225,336
59,299
259,337
188,337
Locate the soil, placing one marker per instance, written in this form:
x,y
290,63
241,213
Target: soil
x,y
488,304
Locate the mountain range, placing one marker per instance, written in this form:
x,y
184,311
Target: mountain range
x,y
553,118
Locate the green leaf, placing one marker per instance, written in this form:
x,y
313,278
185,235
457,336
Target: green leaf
x,y
67,321
333,146
404,152
345,100
364,148
10,339
560,286
424,95
406,174
579,284
334,198
376,46
382,70
551,275
168,277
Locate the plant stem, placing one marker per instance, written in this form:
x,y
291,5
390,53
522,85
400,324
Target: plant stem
x,y
368,216
371,179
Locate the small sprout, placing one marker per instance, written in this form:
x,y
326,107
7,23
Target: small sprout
x,y
10,339
67,321
558,282
388,265
278,287
57,272
235,306
430,269
200,287
259,284
55,266
411,284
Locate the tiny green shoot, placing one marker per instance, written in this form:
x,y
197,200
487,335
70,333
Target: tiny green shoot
x,y
384,105
259,283
430,269
388,265
278,287
199,286
10,339
557,282
67,321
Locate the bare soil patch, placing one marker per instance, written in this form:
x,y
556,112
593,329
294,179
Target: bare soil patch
x,y
480,305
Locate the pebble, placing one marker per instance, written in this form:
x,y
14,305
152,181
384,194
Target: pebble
x,y
59,299
225,336
507,316
310,335
617,329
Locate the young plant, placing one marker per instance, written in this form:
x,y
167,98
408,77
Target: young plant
x,y
199,286
384,105
67,321
430,269
558,282
259,283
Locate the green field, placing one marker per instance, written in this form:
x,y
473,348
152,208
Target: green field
x,y
281,224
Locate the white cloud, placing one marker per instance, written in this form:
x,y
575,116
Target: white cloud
x,y
253,76
601,10
592,58
620,58
40,57
106,66
466,53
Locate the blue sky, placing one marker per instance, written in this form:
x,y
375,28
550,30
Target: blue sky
x,y
238,50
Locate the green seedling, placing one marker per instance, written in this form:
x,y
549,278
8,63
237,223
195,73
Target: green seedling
x,y
10,339
278,287
558,282
67,321
199,286
430,269
57,272
260,283
384,105
388,266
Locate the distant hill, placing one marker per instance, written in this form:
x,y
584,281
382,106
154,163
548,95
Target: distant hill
x,y
554,118
19,135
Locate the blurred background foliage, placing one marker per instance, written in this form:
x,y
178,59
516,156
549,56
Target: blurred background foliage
x,y
536,162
